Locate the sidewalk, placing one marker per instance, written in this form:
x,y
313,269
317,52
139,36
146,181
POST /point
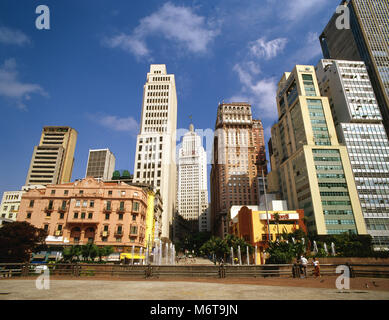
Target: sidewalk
x,y
200,289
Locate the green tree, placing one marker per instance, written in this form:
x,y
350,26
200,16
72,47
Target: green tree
x,y
116,175
18,240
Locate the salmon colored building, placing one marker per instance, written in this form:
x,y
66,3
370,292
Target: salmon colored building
x,y
92,211
252,226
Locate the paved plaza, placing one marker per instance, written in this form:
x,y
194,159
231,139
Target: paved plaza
x,y
200,289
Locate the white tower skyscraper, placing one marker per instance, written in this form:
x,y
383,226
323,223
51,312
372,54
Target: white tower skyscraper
x,y
192,193
156,142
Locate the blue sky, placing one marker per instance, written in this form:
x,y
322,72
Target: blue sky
x,y
89,69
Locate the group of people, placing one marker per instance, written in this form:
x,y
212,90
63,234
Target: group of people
x,y
302,262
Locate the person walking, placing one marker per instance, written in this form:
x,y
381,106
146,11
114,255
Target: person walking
x,y
316,266
304,263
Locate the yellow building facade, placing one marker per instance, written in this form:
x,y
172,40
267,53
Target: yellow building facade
x,y
252,226
313,171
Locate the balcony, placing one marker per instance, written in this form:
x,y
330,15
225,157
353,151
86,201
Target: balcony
x,y
49,209
107,209
104,233
62,209
120,210
118,233
80,220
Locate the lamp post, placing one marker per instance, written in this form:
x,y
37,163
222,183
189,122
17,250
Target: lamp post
x,y
263,163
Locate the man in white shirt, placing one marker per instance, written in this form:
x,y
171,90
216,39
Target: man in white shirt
x,y
304,263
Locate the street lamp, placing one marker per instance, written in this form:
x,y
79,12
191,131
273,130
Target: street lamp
x,y
263,164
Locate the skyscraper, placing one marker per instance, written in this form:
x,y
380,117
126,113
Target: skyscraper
x,y
155,162
359,126
366,40
237,149
313,170
192,190
52,160
101,164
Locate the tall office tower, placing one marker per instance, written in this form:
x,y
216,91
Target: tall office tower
x,y
366,40
155,158
52,160
314,171
237,148
101,164
192,191
359,126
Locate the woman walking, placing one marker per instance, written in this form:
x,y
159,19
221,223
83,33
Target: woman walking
x,y
316,266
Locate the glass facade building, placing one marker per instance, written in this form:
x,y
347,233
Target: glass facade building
x,y
366,40
359,126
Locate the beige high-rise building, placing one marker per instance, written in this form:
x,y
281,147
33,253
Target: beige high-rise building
x,y
237,148
52,160
314,171
155,158
192,190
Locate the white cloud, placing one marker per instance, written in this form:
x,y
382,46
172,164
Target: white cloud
x,y
12,88
11,36
259,92
298,9
115,123
309,51
178,24
267,49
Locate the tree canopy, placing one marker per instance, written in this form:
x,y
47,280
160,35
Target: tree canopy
x,y
18,240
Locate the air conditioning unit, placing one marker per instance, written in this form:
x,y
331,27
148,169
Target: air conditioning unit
x,y
58,232
105,233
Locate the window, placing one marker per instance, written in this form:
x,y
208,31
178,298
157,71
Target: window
x,y
107,216
46,227
61,215
84,204
91,204
120,216
133,217
75,215
28,215
77,203
81,191
110,192
106,228
66,192
82,215
59,227
63,204
50,204
90,215
52,191
108,205
48,214
135,206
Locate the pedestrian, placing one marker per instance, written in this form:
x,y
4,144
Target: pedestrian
x,y
316,266
304,263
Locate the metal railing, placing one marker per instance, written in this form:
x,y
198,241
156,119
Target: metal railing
x,y
170,271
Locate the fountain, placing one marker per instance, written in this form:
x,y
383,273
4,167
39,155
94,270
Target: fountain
x,y
167,253
293,240
140,255
315,250
160,253
132,254
325,248
333,248
255,255
240,256
232,256
247,255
